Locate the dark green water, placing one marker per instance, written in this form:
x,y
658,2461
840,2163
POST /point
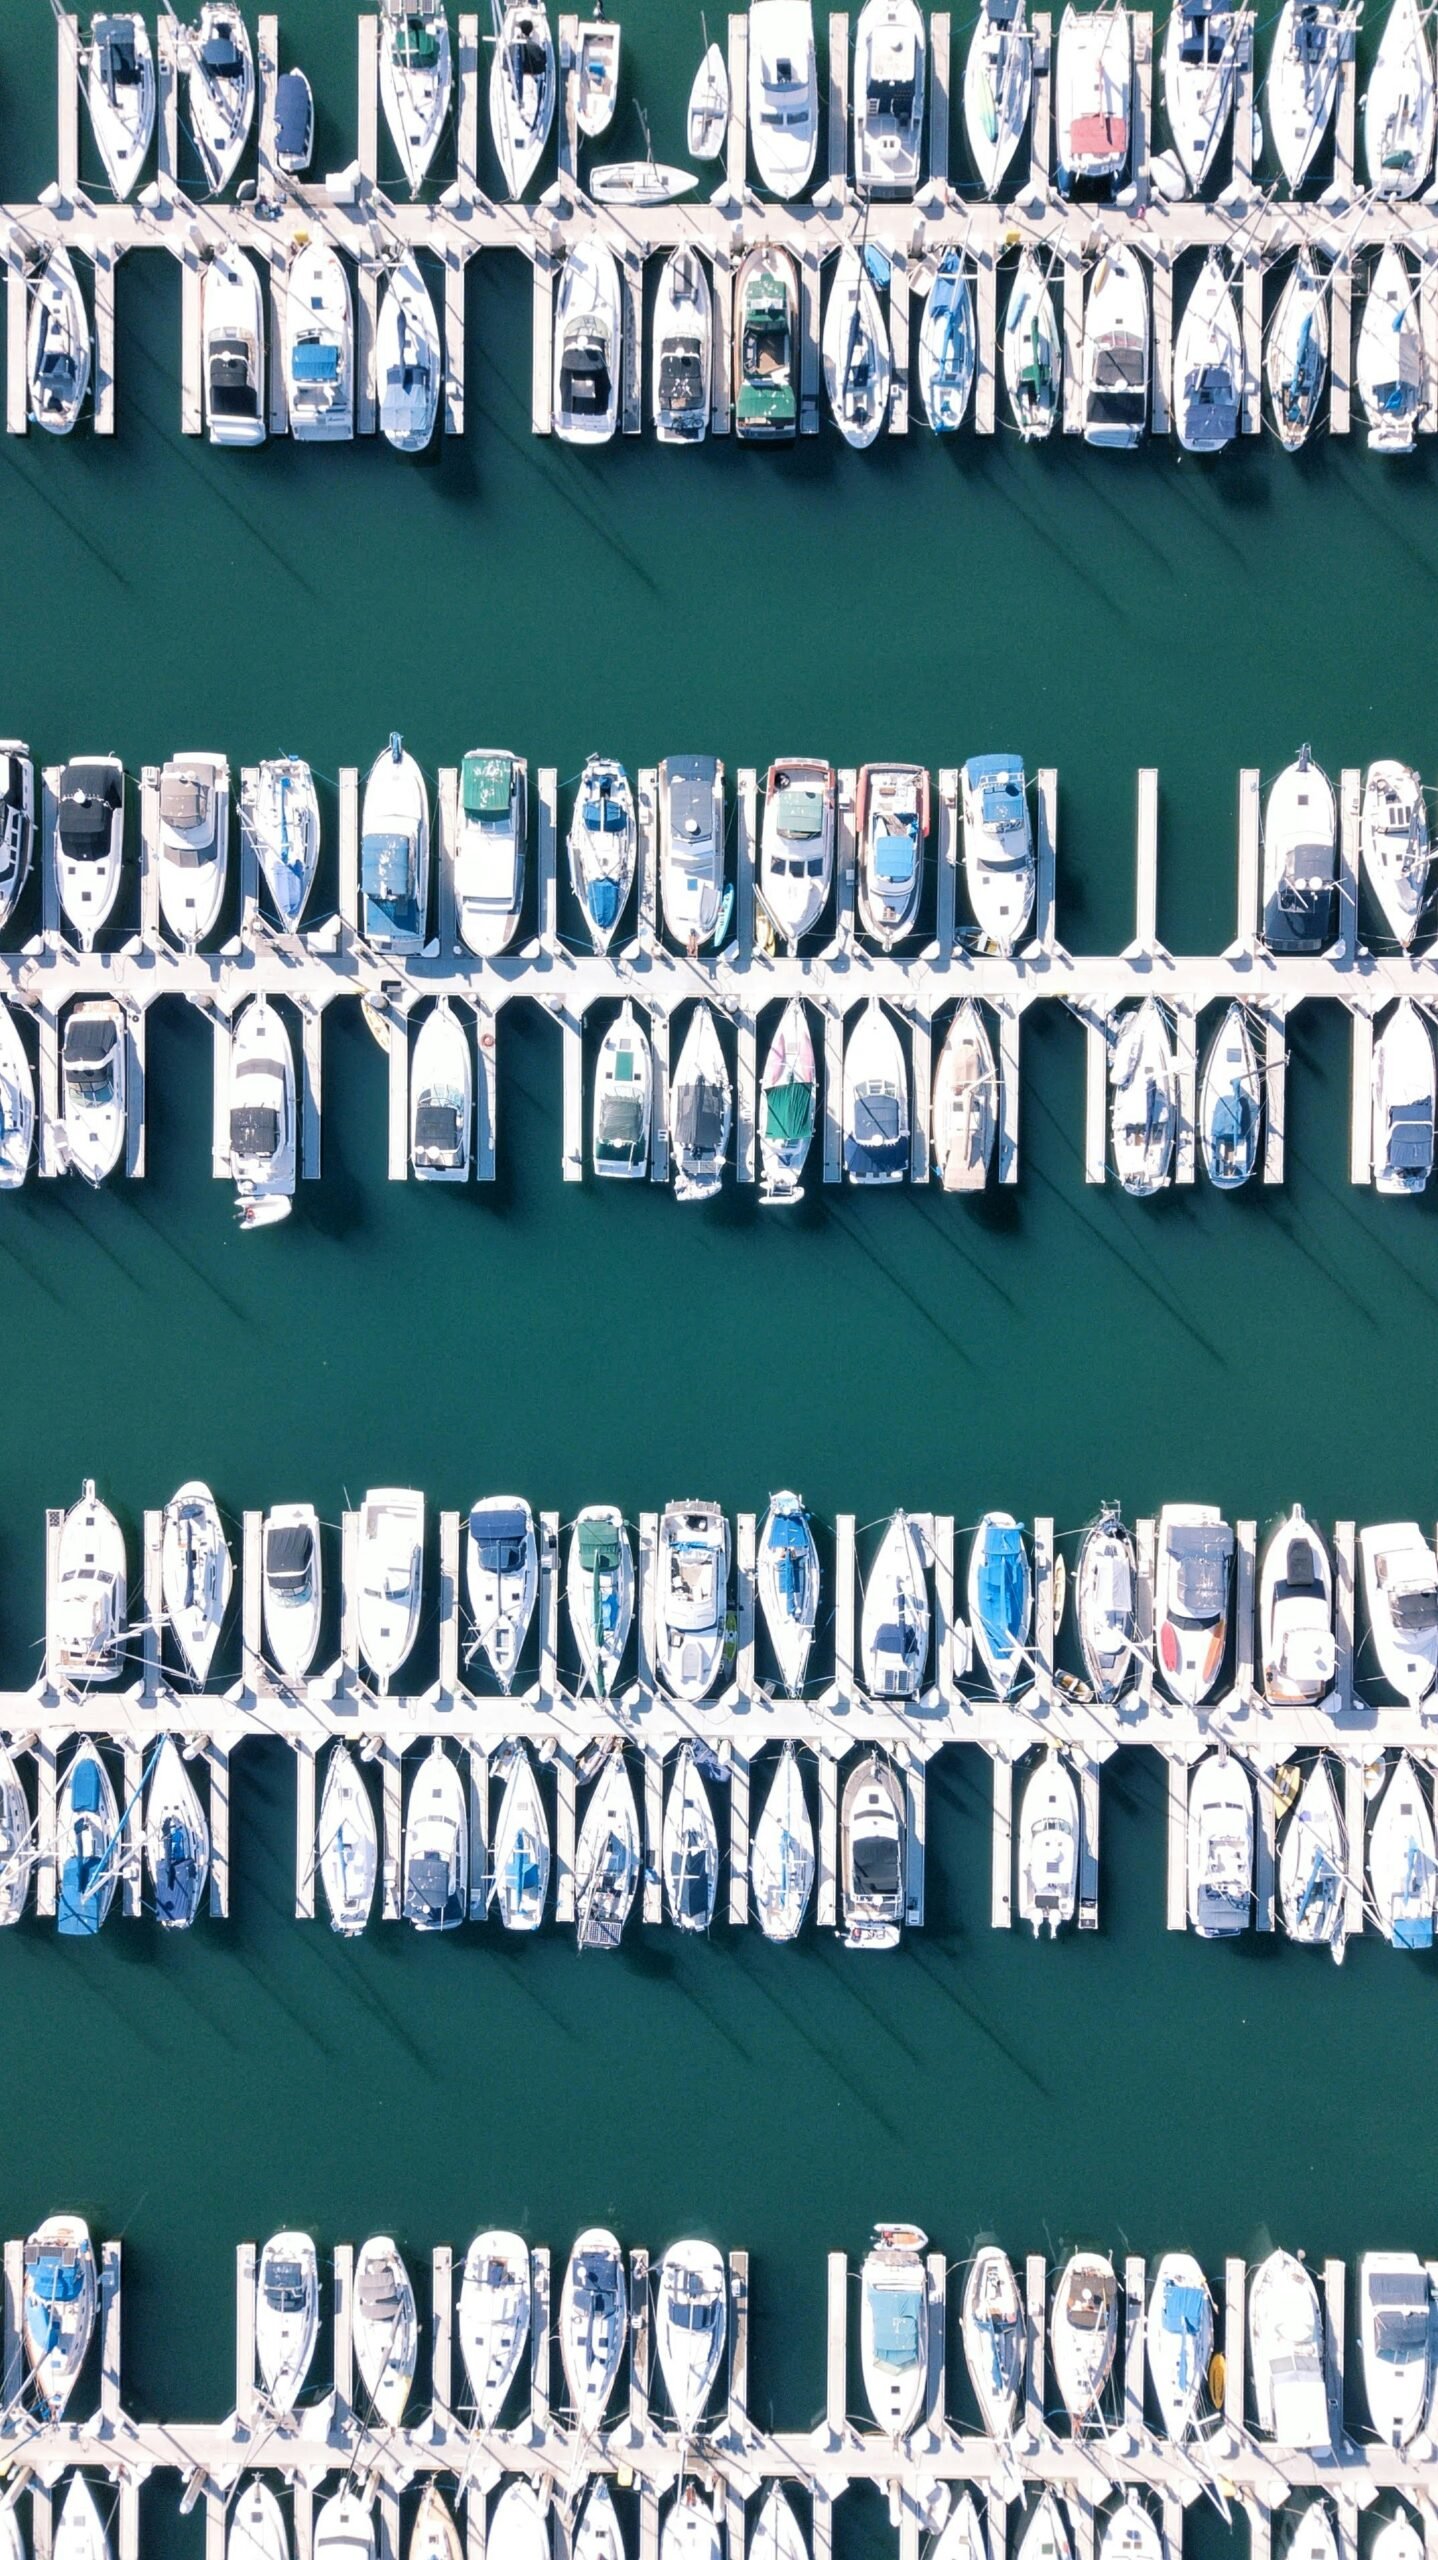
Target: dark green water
x,y
1040,1351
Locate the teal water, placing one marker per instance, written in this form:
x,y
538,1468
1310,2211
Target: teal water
x,y
1040,1351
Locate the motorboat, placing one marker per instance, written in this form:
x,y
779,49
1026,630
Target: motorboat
x,y
434,2535
766,320
294,123
1001,1598
999,871
858,365
436,1845
194,855
408,359
623,1100
441,1098
788,1106
385,2329
57,2309
894,2328
1395,2342
1083,2333
948,345
89,1606
1313,1866
501,1571
389,1579
120,90
701,1108
1093,84
1300,854
796,845
998,84
280,824
682,371
597,2534
891,828
79,2527
689,1847
394,853
19,1846
262,1115
347,1853
596,75
287,2315
1033,354
521,92
1388,361
875,1100
603,839
1105,1605
17,1105
873,1829
492,833
1202,46
17,822
196,1575
232,325
1178,2333
416,75
606,1859
640,182
1393,837
1049,1847
87,1841
1311,41
1230,1103
1296,1650
601,1594
1143,1100
787,1579
1191,1594
1115,377
781,1854
494,2317
319,346
177,1840
691,847
1208,364
777,2534
94,1055
344,2527
1399,107
1285,2355
291,1586
221,88
1046,2535
707,115
519,1856
1403,1099
783,94
995,2335
588,344
593,2325
1220,1847
1400,1591
257,2526
57,345
890,44
1296,356
1402,1865
691,1598
894,1624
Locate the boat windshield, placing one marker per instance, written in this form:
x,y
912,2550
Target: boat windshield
x,y
285,2285
1200,1575
895,2318
436,1133
232,386
1414,1609
287,1562
1401,2313
876,1866
254,1130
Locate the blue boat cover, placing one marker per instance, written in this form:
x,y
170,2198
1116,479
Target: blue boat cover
x,y
315,361
1414,1933
1183,2310
386,867
604,901
983,768
1001,1586
894,855
896,2326
604,817
85,1789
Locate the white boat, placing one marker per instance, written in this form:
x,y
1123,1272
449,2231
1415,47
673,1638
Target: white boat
x,y
389,1579
689,1847
1191,1593
434,2535
87,1844
257,2524
1285,2354
701,1107
948,345
262,1115
707,119
1116,352
787,1577
441,1098
1220,1847
501,1568
999,871
1403,1101
294,123
416,75
593,2325
588,345
1312,39
1300,839
1313,1866
1201,50
1129,2532
521,92
894,2328
606,1860
80,2528
1397,2538
596,74
603,839
94,1056
691,1598
1402,1865
519,1857
194,859
891,824
1048,1847
783,94
1297,1653
17,821
1296,355
120,88
221,89
995,2335
1033,352
291,1586
875,1101
408,360
344,2528
682,366
894,1623
494,2315
858,366
1105,1605
890,44
1388,361
781,1853
1093,84
19,1846
788,1106
777,2533
601,1594
796,844
385,2329
1179,2336
998,83
280,823
623,1100
640,182
1000,1593
1393,837
17,1105
1083,2332
196,1575
232,324
1230,1103
872,1840
287,2312
1208,364
436,1845
347,1853
57,2309
1046,2534
493,827
597,2535
319,346
1399,107
89,1609
1143,1105
1395,2342
57,346
1400,1591
964,1113
690,2530
394,853
691,847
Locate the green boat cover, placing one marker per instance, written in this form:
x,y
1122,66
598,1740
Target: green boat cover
x,y
486,786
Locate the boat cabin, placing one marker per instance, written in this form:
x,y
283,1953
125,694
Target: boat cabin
x,y
234,389
114,43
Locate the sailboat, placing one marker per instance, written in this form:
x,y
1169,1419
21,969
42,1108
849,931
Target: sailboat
x,y
965,1110
690,2324
700,1110
385,2329
80,2528
788,1103
1208,364
348,1846
501,1570
522,92
408,361
57,346
18,1844
1230,1103
1201,50
177,1840
894,1623
1083,2332
1105,1612
600,1587
1000,1590
689,1847
1093,85
606,1858
858,365
948,345
1402,1864
593,2325
257,2524
781,1853
787,1578
1303,78
998,83
221,67
520,1856
1313,1866
120,88
17,822
57,2309
17,1105
196,1575
280,824
603,840
876,1100
1143,1080
1388,360
1033,352
1395,847
1296,356
87,1845
389,1579
1179,2337
416,74
995,2335
707,118
1399,108
494,2318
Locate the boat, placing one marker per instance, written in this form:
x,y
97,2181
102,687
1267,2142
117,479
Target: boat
x,y
1403,1100
294,123
394,853
347,1854
682,368
416,74
948,345
1395,2342
441,1098
1285,2353
689,1847
1093,83
1220,1847
640,182
965,1107
89,1603
17,1105
894,1623
1105,1605
280,824
1129,2531
1402,1865
788,1106
1045,2535
999,870
1397,2538
494,2315
995,2335
1000,1598
1399,107
232,324
408,361
787,1579
701,1106
606,1860
876,1100
796,845
781,1854
1191,1592
120,89
1230,1103
691,847
257,2524
894,2328
196,1575
1300,840
1313,1866
593,2325
87,1843
777,2533
291,1586
518,2526
1049,1847
389,1579
858,366
623,1100
1143,1107
1400,1590
501,1571
287,2313
597,2534
1208,364
872,1845
344,2528
1396,854
521,92
57,345
707,118
1032,352
1388,360
385,2329
783,94
1296,1650
493,829
603,839
1083,2333
319,346
1179,2338
262,1115
436,1845
434,2535
998,83
588,344
601,1594
891,827
1114,394
221,89
79,2527
1312,39
1201,50
17,822
691,1598
890,44
596,74
690,2530
194,854
519,1857
766,314
18,1844
57,2309
1296,356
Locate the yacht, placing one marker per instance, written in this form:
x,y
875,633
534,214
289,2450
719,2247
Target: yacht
x,y
1116,352
872,1841
781,1853
998,849
894,2328
94,1052
596,69
1403,1098
707,114
1179,2337
876,1100
607,1858
858,366
291,1586
890,44
593,2325
1143,1107
519,1857
389,1579
588,344
120,88
294,123
1001,1598
79,2527
348,1849
1032,352
57,2309
601,1594
623,1100
232,322
1230,1103
788,1106
682,371
787,1579
501,1571
1208,364
995,2334
17,1105
1083,2333
1402,1866
766,320
1093,84
385,2329
701,1106
1300,852
1296,1651
493,830
194,856
892,829
689,1847
521,92
690,2322
441,1098
280,824
1201,50
1049,1847
287,2314
1312,39
1395,2342
89,1608
262,1115
1388,361
691,1598
196,1575
1105,1605
1220,1847
603,839
1393,835
257,2525
1313,1866
416,74
57,346
408,361
221,69
998,84
17,822
1296,356
394,854
19,1847
783,94
691,847
948,345
1285,2355
87,1839
436,1845
894,1625
1191,1594
1400,1590
1399,107
796,855
319,346
344,2528
177,1840
494,2318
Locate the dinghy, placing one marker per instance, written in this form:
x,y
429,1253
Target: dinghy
x,y
998,82
1001,1598
858,367
1033,352
701,1106
788,1105
88,1618
1105,1610
999,871
409,365
894,1623
707,122
1403,1100
1388,364
319,347
781,1854
90,842
965,1109
1114,396
601,1594
1395,2342
796,844
1201,50
1083,2333
57,2309
18,1844
441,1098
348,1851
875,1100
389,1579
691,1598
1400,1590
1049,1847
766,319
292,1586
257,2525
1402,1868
287,2310
1398,110
1296,356
872,1844
1191,1591
1208,364
1296,1649
17,1105
501,1566
787,1579
519,1858
1220,1847
588,345
783,94
280,822
1393,836
995,2338
262,1115
436,1845
948,345
521,92
1093,82
17,822
494,2314
394,854
1313,1866
891,826
196,1575
416,74
1300,858
194,844
682,367
57,346
1179,2337
623,1101
221,69
606,1860
232,351
689,1848
385,2329
691,848
1143,1108
493,830
890,45
894,2328
1285,2355
120,89
1311,40
596,75
1230,1104
593,2325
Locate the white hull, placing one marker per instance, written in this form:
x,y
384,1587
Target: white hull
x,y
292,1587
348,1848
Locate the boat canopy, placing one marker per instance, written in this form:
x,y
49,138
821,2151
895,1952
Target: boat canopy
x,y
788,1112
89,1043
55,2275
416,46
896,853
114,39
184,797
255,1130
487,786
1183,2310
287,1557
1200,1556
436,1132
1098,137
699,1113
220,56
232,385
621,1128
799,811
501,1535
876,1878
387,863
316,360
294,115
598,1547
